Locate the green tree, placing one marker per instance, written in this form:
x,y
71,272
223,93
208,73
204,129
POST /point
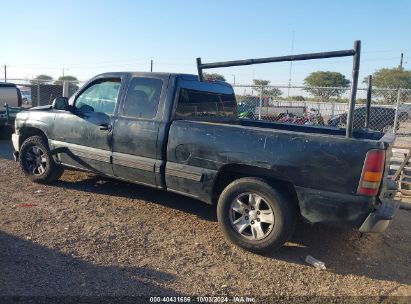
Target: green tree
x,y
395,78
73,83
214,76
330,83
42,78
267,90
296,98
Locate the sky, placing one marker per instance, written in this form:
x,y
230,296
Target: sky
x,y
88,37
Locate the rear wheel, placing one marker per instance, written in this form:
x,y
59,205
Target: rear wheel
x,y
37,162
255,216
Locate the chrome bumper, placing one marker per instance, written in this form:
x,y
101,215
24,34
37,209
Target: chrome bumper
x,y
15,139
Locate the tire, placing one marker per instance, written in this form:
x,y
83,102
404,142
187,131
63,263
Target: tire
x,y
37,162
259,236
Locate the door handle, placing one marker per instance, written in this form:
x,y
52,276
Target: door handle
x,y
105,127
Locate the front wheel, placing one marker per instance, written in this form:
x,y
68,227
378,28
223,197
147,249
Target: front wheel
x,y
255,216
37,162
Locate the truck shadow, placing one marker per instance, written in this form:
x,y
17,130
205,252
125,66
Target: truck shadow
x,y
29,269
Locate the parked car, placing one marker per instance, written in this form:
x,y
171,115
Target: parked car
x,y
246,107
174,132
381,118
10,94
26,96
406,109
7,117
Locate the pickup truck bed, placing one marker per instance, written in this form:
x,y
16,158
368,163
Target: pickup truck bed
x,y
305,157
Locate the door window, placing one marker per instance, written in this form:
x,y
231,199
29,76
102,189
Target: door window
x,y
142,98
99,97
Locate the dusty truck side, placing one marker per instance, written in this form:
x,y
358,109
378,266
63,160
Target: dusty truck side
x,y
182,134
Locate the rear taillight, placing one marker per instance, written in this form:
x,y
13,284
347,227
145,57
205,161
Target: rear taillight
x,y
372,173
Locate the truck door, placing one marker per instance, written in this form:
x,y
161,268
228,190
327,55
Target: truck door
x,y
83,138
135,134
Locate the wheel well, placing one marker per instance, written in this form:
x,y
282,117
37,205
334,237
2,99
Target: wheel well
x,y
230,173
29,132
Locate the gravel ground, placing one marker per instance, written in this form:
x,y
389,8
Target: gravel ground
x,y
86,235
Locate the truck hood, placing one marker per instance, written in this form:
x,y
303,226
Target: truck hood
x,y
23,115
41,108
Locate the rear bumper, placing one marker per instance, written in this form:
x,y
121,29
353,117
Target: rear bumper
x,y
367,214
379,220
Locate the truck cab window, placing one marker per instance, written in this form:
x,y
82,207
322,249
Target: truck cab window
x,y
193,103
99,97
142,98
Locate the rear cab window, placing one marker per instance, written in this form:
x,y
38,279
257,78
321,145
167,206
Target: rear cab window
x,y
203,100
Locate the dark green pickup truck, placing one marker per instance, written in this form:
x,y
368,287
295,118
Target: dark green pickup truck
x,y
180,133
174,132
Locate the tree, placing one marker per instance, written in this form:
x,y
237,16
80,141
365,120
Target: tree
x,y
73,83
396,78
334,80
42,78
267,91
296,98
214,76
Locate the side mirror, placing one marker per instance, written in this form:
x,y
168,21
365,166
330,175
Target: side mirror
x,y
60,103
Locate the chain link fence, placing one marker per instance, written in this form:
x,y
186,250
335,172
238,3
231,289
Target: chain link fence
x,y
327,106
40,92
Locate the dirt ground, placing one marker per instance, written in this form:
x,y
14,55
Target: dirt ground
x,y
86,235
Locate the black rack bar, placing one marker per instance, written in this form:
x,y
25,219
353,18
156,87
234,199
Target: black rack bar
x,y
354,85
223,64
343,53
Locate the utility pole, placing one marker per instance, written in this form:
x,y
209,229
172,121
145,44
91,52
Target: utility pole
x,y
151,65
5,73
64,70
252,91
234,78
402,57
291,66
